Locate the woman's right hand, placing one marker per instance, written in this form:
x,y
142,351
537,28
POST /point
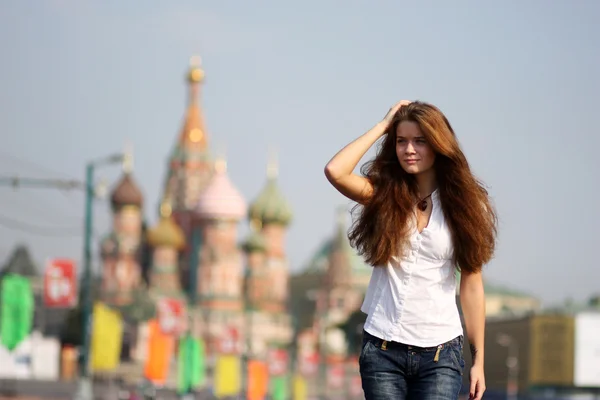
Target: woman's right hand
x,y
389,117
339,170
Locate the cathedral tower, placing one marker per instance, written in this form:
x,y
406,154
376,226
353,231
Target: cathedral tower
x,y
120,250
219,274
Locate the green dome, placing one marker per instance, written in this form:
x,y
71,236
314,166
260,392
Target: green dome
x,y
271,207
254,243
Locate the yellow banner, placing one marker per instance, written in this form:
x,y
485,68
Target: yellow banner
x,y
299,388
107,333
227,376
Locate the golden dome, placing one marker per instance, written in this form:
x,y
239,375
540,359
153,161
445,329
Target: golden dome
x,y
166,232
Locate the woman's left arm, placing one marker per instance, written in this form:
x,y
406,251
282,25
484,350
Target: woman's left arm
x,y
472,301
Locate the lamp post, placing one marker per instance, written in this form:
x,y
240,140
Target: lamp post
x,y
512,363
84,391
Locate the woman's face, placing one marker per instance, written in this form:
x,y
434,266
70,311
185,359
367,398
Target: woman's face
x,y
414,153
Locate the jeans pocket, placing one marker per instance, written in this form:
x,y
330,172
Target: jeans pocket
x,y
456,353
365,345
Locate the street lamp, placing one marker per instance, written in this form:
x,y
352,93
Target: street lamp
x,y
512,363
84,391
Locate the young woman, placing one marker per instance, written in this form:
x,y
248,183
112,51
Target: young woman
x,y
423,216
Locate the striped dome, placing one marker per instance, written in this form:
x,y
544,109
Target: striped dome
x,y
220,199
270,207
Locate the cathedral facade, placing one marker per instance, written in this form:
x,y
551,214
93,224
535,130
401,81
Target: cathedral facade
x,y
233,291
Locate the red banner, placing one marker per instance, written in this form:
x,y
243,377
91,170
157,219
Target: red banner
x,y
60,283
335,376
171,318
278,359
230,341
309,364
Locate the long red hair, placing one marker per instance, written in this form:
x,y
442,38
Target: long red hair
x,y
381,229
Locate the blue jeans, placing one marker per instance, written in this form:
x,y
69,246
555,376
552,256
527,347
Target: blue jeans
x,y
394,371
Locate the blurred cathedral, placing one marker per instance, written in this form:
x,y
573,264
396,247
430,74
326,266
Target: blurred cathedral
x,y
228,286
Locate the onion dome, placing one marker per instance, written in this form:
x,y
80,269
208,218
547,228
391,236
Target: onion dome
x,y
254,243
270,207
166,233
126,192
220,199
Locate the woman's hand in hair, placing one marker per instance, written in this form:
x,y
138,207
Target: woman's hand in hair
x,y
389,117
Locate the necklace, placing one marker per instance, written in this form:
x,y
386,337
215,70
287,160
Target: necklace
x,y
422,204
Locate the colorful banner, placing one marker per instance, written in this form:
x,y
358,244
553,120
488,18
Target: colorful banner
x,y
300,391
227,376
171,315
192,368
258,380
308,363
17,310
60,283
230,341
279,388
160,351
278,360
107,335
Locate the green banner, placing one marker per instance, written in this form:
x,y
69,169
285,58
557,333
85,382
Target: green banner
x,y
192,368
17,310
279,387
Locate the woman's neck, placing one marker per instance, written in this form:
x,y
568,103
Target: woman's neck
x,y
426,182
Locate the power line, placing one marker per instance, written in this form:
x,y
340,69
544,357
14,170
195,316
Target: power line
x,y
17,182
33,165
14,224
42,183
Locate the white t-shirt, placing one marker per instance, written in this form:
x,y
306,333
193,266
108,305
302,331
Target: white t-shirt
x,y
412,300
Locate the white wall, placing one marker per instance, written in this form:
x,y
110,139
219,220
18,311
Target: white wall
x,y
587,350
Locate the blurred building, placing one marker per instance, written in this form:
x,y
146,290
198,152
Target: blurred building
x,y
233,290
550,354
324,297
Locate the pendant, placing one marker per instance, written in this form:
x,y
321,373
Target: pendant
x,y
423,205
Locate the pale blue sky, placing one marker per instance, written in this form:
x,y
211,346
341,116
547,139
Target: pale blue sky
x,y
517,79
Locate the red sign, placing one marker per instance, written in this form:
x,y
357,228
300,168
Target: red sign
x,y
309,364
170,316
277,362
60,283
230,342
